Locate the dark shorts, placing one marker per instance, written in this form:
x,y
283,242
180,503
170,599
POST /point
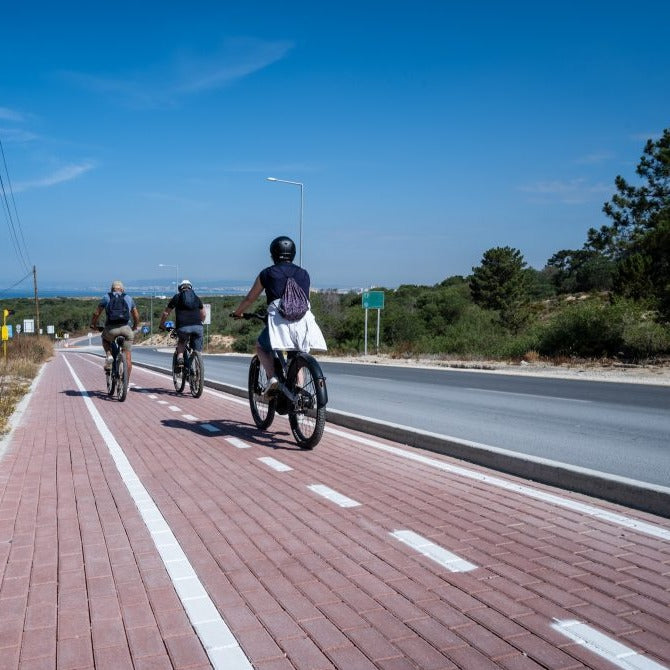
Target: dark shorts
x,y
186,331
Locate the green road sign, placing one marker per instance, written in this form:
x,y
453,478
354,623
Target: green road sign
x,y
373,299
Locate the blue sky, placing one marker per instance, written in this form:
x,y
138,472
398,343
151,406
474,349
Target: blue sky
x,y
424,133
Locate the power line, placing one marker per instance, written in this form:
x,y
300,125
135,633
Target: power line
x,y
18,239
9,288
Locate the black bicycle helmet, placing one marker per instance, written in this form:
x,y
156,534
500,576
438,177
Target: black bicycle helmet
x,y
282,248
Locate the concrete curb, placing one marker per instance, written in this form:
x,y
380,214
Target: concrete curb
x,y
620,490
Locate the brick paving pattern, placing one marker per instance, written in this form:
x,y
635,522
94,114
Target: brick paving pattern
x,y
301,582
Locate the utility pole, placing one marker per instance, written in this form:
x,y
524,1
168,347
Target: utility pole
x,y
37,301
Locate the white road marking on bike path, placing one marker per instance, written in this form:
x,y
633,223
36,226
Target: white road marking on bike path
x,y
433,551
333,496
220,644
605,515
275,464
239,444
604,646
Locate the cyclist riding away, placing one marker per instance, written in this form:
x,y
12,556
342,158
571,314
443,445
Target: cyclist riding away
x,y
119,309
190,313
285,330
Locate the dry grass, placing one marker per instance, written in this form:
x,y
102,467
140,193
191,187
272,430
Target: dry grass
x,y
25,355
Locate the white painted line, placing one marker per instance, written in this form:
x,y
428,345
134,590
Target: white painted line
x,y
189,417
208,427
174,408
220,644
605,647
433,551
529,395
333,496
582,508
275,464
236,442
153,396
163,402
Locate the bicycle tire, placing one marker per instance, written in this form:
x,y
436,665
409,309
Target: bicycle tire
x,y
122,381
111,382
308,417
262,408
196,376
178,375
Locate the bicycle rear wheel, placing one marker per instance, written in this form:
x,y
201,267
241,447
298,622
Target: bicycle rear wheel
x,y
308,417
262,408
111,382
196,378
122,381
178,375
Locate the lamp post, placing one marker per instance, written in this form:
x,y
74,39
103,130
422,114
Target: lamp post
x,y
295,183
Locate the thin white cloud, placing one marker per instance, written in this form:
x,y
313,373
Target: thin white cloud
x,y
571,192
594,158
17,135
7,114
190,75
64,174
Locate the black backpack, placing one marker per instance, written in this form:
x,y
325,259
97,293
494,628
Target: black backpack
x,y
118,313
294,303
188,300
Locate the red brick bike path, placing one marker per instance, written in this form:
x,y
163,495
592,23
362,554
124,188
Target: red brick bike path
x,y
300,581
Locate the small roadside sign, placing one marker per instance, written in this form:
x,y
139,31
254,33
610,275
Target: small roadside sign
x,y
373,299
208,314
145,330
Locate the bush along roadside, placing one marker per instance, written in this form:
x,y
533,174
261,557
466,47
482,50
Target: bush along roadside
x,y
24,357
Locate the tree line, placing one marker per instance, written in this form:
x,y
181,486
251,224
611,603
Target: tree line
x,y
610,298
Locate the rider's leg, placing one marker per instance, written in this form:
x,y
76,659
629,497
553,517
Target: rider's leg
x,y
264,352
127,332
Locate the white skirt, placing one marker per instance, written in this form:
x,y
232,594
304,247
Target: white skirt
x,y
302,335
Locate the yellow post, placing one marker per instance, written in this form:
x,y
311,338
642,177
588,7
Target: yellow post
x,y
5,332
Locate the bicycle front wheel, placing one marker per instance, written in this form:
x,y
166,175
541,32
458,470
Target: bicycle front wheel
x,y
196,378
308,416
262,408
122,381
178,375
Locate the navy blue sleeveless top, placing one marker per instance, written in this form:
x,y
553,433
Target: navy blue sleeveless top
x,y
273,279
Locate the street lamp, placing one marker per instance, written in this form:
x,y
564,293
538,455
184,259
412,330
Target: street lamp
x,y
295,183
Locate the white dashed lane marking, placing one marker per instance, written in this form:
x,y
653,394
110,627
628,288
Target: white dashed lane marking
x,y
605,647
209,428
239,444
333,496
433,551
275,464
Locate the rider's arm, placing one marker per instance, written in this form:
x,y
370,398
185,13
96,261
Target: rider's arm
x,y
96,316
250,298
164,317
136,318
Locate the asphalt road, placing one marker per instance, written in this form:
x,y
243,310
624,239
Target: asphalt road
x,y
614,428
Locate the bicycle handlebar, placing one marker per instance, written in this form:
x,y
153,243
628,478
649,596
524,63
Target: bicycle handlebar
x,y
250,315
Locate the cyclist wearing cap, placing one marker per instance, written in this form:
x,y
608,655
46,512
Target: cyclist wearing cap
x,y
301,335
115,327
190,313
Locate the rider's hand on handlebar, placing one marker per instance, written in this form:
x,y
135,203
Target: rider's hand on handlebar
x,y
236,316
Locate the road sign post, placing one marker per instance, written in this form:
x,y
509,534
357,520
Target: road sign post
x,y
372,300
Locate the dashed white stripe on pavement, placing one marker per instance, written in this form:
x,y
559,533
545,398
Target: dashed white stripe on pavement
x,y
275,464
221,646
605,647
582,508
163,402
153,396
239,444
190,417
433,551
210,428
174,408
333,496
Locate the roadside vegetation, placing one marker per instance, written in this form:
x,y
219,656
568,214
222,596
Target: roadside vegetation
x,y
24,358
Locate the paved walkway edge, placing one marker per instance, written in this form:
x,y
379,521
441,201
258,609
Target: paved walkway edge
x,y
627,492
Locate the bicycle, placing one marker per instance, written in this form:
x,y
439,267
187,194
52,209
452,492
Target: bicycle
x,y
117,375
301,393
193,369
